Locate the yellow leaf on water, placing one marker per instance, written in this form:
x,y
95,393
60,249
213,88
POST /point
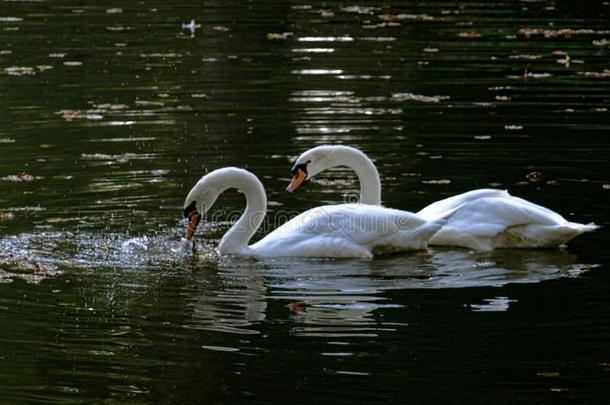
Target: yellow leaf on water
x,y
276,36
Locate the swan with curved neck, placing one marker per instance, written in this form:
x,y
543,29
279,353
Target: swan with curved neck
x,y
482,219
201,198
324,157
344,230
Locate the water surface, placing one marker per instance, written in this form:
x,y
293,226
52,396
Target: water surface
x,y
110,113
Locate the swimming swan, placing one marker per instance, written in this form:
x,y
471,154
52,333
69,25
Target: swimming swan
x,y
482,219
345,230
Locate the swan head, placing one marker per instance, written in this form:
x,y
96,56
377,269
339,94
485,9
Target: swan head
x,y
201,198
205,193
312,162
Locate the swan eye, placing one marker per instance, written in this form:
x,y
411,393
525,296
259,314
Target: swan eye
x,y
192,207
302,167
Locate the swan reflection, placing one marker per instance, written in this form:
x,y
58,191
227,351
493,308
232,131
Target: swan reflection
x,y
321,297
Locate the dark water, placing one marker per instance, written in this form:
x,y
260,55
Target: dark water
x,y
110,113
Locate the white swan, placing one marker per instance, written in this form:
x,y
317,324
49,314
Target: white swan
x,y
483,219
345,230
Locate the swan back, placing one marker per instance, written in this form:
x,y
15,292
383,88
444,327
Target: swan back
x,y
348,230
440,208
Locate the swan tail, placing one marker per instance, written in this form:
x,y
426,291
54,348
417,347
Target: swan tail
x,y
590,227
579,229
574,229
557,236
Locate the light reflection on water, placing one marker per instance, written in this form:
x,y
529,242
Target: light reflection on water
x,y
328,297
110,115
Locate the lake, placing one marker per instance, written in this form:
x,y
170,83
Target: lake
x,y
111,112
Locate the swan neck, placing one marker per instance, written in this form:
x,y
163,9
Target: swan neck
x,y
368,177
236,240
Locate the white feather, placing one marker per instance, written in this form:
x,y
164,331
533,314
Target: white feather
x,y
346,230
481,219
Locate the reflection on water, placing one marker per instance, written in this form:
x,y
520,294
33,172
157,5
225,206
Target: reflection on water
x,y
327,296
111,113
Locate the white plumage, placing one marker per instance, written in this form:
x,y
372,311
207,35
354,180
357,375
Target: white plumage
x,y
481,219
486,219
346,230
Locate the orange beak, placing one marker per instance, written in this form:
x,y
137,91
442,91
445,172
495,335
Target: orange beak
x,y
296,181
194,219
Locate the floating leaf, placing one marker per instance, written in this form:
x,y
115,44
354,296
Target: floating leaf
x,y
603,74
441,181
191,26
601,42
27,270
534,177
160,55
108,106
497,304
296,307
118,28
5,216
525,57
565,61
563,32
418,97
549,374
415,17
70,115
538,75
19,71
357,9
277,36
20,177
469,35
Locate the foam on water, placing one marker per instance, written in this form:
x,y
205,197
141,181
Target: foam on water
x,y
439,268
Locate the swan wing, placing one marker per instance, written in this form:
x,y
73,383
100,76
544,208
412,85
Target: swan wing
x,y
502,213
347,230
440,209
489,222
